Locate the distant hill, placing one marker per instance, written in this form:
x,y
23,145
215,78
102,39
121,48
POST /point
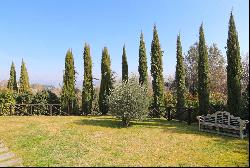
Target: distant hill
x,y
35,87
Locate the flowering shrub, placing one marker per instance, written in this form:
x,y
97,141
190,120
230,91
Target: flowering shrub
x,y
129,100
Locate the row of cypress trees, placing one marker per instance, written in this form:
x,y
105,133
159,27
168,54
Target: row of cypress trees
x,y
234,72
68,95
23,82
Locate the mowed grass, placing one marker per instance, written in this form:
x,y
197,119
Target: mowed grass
x,y
101,141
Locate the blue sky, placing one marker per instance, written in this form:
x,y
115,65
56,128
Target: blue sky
x,y
41,31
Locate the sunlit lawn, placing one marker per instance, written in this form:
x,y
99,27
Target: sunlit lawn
x,y
101,141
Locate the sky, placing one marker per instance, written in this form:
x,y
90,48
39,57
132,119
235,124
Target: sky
x,y
41,32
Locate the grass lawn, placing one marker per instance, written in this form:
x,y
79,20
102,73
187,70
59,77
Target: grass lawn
x,y
101,141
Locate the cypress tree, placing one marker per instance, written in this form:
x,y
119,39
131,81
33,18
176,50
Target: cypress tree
x,y
88,91
68,91
180,78
157,74
24,79
12,84
106,82
143,67
124,65
203,82
234,69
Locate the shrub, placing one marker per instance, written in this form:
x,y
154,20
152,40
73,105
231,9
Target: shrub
x,y
128,101
192,102
40,98
217,102
52,98
7,98
23,98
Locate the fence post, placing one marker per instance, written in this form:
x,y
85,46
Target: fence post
x,y
189,115
31,110
11,110
51,110
169,113
1,108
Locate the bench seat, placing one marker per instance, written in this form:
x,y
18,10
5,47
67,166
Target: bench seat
x,y
223,123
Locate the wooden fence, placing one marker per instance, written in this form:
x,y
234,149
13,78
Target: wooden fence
x,y
31,109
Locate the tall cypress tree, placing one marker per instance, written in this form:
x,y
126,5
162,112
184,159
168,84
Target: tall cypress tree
x,y
12,84
143,67
203,81
87,91
106,82
180,78
124,65
24,79
157,74
234,69
68,91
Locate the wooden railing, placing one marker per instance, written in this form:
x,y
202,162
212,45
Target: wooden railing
x,y
32,109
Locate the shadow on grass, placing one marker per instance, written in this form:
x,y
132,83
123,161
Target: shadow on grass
x,y
172,126
102,122
116,123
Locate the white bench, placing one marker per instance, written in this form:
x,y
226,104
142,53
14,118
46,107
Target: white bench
x,y
223,123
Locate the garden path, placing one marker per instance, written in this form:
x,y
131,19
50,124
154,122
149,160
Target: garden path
x,y
7,158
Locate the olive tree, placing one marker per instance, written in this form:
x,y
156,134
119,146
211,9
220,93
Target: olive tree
x,y
128,101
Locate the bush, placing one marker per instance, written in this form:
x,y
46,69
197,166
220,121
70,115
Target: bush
x,y
7,98
217,102
128,101
52,98
192,102
41,98
23,98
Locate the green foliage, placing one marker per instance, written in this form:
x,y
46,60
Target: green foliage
x,y
87,91
95,104
245,104
203,87
52,98
7,98
217,102
128,101
106,82
234,69
24,79
143,67
40,98
12,84
192,102
24,98
68,97
157,74
124,65
169,99
180,79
